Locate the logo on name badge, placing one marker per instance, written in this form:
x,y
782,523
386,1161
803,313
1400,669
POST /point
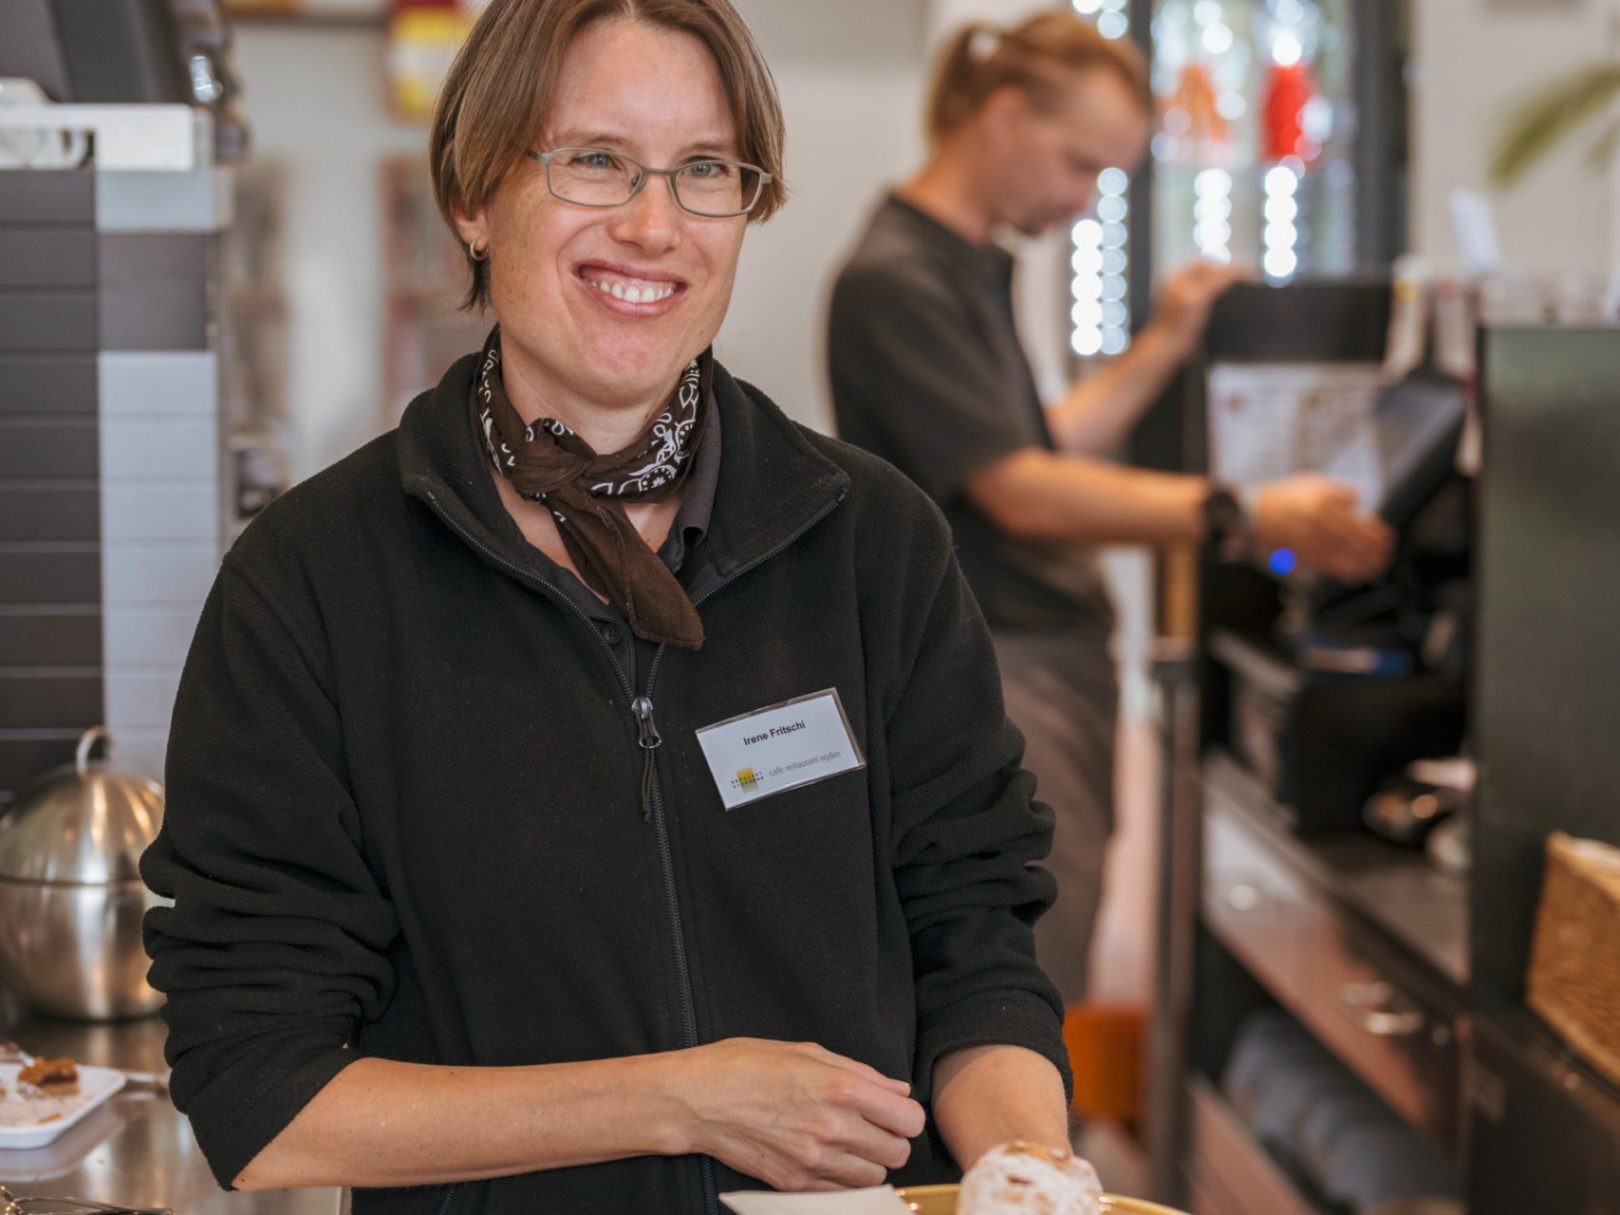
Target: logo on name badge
x,y
747,780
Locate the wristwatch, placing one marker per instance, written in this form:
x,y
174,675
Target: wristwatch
x,y
1227,524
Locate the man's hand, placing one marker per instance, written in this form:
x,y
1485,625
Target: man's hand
x,y
1097,412
1316,517
793,1114
1185,299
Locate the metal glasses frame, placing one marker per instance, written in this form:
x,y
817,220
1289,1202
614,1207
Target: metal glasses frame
x,y
643,172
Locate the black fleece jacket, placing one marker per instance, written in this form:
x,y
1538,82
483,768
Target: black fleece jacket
x,y
409,814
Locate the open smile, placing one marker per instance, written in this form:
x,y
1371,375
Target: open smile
x,y
631,292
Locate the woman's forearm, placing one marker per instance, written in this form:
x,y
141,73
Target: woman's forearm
x,y
793,1114
987,1095
383,1123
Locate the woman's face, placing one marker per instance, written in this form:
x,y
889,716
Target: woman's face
x,y
656,96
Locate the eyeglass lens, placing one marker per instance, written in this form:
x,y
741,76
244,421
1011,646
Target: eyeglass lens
x,y
593,177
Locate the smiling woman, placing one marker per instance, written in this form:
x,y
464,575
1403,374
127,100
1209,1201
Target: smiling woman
x,y
551,267
466,913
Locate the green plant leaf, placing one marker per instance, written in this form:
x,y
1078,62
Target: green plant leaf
x,y
1548,117
1603,149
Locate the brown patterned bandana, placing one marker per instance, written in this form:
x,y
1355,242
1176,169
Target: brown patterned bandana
x,y
547,462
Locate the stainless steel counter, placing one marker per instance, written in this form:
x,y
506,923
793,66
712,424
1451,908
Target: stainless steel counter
x,y
136,1149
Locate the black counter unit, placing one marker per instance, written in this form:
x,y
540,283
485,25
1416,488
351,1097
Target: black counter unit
x,y
1327,690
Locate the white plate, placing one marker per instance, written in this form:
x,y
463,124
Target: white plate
x,y
96,1085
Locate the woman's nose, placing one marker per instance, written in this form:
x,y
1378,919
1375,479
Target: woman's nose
x,y
651,220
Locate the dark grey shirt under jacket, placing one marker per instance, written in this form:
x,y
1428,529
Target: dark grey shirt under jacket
x,y
927,371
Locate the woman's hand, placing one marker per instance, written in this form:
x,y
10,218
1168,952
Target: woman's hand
x,y
793,1114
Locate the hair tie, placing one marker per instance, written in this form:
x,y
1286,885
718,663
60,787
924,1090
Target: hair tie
x,y
984,43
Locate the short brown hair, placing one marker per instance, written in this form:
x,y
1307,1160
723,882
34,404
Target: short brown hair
x,y
1035,55
500,87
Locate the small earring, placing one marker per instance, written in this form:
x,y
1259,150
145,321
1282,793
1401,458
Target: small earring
x,y
477,254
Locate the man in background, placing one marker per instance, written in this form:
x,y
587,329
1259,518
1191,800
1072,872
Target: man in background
x,y
927,371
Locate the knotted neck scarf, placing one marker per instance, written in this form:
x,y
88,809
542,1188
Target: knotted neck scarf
x,y
586,492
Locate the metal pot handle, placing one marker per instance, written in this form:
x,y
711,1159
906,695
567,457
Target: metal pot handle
x,y
87,744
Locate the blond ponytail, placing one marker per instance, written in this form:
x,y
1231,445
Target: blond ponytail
x,y
1039,55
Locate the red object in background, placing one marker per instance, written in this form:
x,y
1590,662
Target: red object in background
x,y
1195,93
1288,91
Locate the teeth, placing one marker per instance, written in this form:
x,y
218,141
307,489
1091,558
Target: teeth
x,y
651,293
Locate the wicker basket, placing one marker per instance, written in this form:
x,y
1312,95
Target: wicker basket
x,y
1574,980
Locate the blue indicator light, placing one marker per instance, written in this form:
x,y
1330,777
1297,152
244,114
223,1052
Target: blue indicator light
x,y
1283,562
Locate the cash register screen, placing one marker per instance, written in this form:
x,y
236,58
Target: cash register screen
x,y
1395,445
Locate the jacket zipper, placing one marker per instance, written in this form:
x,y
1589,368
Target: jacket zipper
x,y
652,809
641,708
653,812
650,739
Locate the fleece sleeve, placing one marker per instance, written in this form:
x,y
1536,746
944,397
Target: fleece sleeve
x,y
966,835
276,943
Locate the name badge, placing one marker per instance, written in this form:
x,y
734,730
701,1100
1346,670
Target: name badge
x,y
797,742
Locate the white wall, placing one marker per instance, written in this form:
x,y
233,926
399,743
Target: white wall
x,y
316,102
1472,60
850,74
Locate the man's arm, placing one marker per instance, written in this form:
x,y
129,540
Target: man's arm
x,y
1038,495
986,1095
1093,417
1097,412
1035,494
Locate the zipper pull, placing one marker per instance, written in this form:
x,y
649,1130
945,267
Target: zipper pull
x,y
642,707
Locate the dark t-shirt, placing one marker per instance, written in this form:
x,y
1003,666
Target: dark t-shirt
x,y
927,372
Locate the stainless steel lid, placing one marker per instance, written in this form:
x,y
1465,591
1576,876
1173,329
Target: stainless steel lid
x,y
84,824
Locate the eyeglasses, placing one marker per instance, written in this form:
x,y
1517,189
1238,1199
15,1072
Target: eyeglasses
x,y
596,177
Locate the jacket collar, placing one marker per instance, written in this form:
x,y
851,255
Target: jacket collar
x,y
773,485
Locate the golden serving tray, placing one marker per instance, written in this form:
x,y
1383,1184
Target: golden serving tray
x,y
941,1200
